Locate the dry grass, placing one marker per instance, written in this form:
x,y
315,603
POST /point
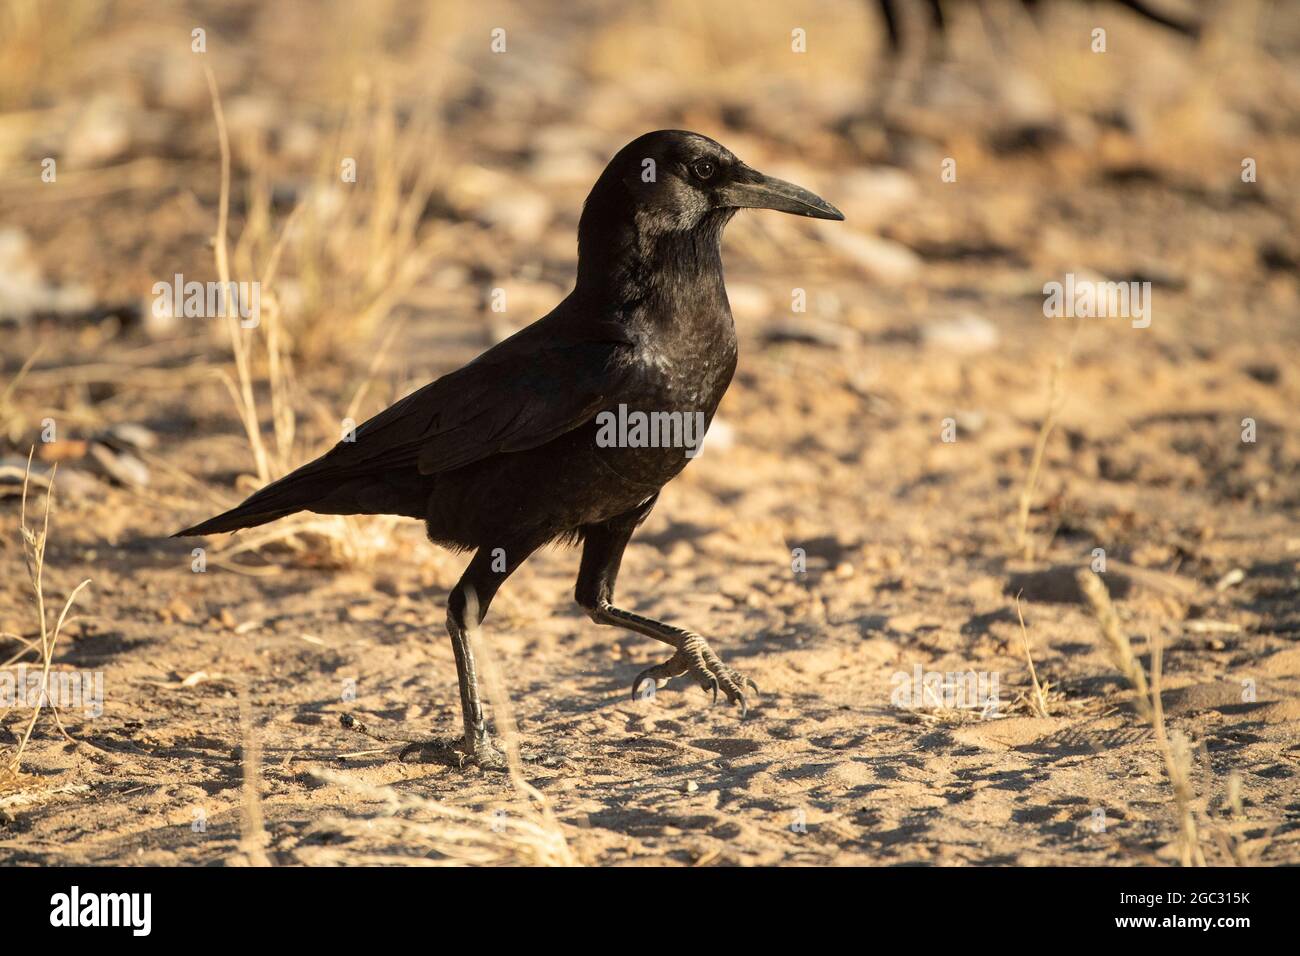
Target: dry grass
x,y
252,828
352,249
534,806
38,42
47,639
1055,401
1230,834
1174,747
13,417
343,541
446,835
1038,703
16,799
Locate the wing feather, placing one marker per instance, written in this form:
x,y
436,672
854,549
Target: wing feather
x,y
506,402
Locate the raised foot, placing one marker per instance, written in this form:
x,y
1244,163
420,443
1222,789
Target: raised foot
x,y
697,658
456,752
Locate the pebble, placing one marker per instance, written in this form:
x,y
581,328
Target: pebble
x,y
967,333
122,467
100,135
130,435
881,259
875,195
809,331
23,289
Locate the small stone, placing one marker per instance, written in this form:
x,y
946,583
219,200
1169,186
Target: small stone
x,y
24,292
881,259
1231,579
970,421
13,472
176,610
100,135
809,331
130,435
122,467
875,195
966,334
73,483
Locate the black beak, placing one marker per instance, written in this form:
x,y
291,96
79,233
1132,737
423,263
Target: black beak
x,y
752,190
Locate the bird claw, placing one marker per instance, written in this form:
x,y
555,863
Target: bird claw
x,y
697,658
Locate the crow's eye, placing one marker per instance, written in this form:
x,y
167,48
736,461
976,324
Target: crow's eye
x,y
703,169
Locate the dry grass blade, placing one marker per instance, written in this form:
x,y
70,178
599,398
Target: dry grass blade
x,y
1054,400
9,413
535,804
1117,643
1040,702
448,835
1177,754
252,830
346,541
1174,748
34,797
331,540
245,402
34,555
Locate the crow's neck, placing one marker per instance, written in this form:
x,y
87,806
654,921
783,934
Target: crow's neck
x,y
651,273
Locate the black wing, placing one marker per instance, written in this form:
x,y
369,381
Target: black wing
x,y
526,391
511,398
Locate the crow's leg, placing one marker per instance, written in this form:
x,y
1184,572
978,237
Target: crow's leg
x,y
1144,9
467,605
936,38
601,555
889,13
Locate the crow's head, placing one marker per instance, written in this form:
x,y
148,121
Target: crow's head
x,y
674,181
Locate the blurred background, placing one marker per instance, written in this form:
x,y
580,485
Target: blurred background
x,y
976,159
979,152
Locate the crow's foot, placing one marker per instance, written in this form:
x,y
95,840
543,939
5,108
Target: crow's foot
x,y
695,657
457,752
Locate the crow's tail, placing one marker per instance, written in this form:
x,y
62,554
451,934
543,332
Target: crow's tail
x,y
296,491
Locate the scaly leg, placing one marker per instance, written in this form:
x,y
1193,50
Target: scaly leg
x,y
467,605
601,556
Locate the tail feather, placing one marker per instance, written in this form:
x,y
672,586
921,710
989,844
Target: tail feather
x,y
296,491
233,520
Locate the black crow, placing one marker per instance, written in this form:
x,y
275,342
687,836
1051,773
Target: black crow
x,y
567,430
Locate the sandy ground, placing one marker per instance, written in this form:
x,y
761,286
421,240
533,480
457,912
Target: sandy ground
x,y
830,445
